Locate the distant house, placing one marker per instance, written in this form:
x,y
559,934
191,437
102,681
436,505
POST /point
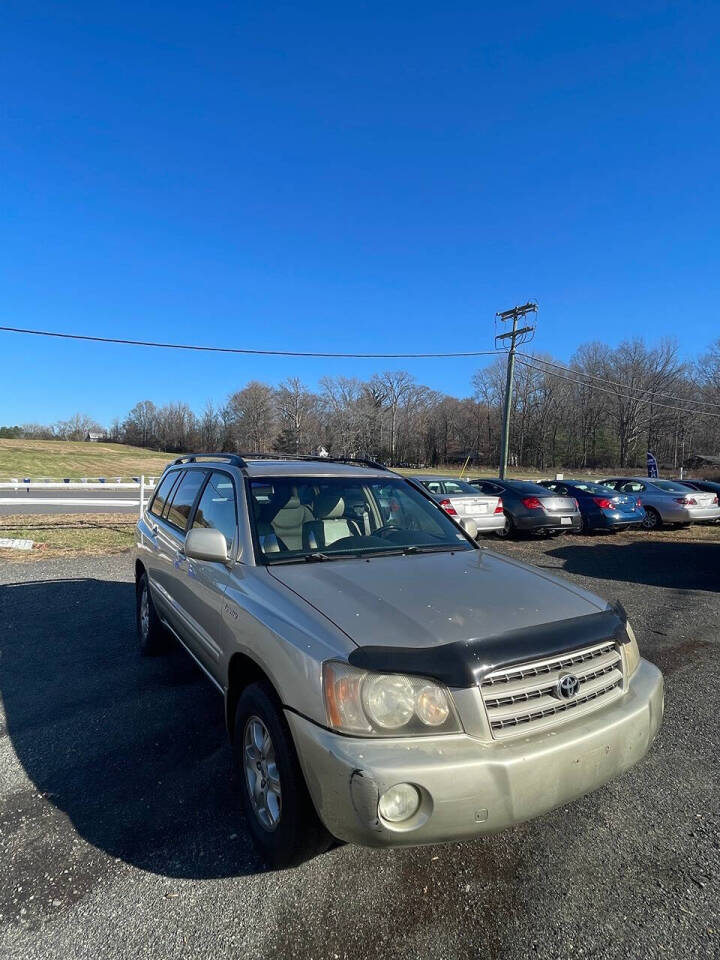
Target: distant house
x,y
93,437
698,460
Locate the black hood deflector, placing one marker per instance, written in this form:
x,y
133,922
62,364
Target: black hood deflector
x,y
466,663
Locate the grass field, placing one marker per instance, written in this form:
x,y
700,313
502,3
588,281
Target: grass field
x,y
66,535
67,458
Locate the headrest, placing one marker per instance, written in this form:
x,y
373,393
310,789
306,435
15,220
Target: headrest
x,y
286,498
328,506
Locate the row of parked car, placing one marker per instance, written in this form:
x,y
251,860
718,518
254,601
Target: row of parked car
x,y
551,507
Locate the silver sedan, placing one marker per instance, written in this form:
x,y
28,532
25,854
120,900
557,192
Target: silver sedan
x,y
462,500
667,501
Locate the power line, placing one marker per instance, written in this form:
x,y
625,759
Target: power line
x,y
615,383
251,352
614,393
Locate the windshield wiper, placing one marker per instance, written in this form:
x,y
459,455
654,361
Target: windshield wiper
x,y
310,557
429,548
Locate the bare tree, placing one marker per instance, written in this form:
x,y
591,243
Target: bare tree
x,y
250,414
393,388
297,411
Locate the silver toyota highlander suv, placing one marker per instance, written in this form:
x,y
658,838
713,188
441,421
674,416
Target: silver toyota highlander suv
x,y
386,680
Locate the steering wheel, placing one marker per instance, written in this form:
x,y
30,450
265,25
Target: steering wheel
x,y
386,528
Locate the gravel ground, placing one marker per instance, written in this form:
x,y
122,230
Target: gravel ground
x,y
120,836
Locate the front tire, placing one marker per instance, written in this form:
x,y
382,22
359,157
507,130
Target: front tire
x,y
275,800
151,633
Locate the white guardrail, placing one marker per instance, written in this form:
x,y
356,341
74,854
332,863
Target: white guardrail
x,y
34,487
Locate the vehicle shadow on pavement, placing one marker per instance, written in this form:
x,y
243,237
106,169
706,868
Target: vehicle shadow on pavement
x,y
656,563
132,750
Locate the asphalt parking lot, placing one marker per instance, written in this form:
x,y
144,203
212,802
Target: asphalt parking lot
x,y
120,835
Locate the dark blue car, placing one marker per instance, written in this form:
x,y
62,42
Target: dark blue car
x,y
601,507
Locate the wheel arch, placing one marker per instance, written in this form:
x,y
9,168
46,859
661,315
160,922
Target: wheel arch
x,y
243,670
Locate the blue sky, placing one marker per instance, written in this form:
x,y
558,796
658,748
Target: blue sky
x,y
352,176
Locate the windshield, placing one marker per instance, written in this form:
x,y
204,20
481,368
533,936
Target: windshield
x,y
326,518
670,486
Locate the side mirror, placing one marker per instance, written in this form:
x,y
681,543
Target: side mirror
x,y
470,527
206,543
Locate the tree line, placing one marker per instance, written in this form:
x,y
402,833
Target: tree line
x,y
605,407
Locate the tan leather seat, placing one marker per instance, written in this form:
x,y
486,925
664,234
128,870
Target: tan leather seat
x,y
286,516
330,523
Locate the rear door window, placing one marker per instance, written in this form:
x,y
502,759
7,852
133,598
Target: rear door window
x,y
184,497
162,493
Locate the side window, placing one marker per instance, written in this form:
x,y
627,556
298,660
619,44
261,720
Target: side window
x,y
162,492
632,487
184,498
217,506
491,488
433,486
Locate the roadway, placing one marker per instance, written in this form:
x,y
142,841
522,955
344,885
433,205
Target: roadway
x,y
58,500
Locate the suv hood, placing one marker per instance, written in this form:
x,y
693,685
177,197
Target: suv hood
x,y
430,599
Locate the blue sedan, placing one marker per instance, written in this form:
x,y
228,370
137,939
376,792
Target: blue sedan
x,y
601,508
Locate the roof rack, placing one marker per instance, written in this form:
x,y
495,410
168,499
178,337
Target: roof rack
x,y
315,458
241,460
234,458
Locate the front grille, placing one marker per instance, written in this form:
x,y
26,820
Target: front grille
x,y
525,697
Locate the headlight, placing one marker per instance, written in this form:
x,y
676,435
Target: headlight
x,y
632,653
386,704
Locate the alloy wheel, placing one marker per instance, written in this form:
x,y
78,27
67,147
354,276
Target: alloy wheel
x,y
651,520
144,612
261,773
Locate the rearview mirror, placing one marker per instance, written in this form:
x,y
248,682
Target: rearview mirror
x,y
470,527
206,543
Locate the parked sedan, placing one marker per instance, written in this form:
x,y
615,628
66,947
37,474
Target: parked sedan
x,y
667,501
530,507
602,508
461,500
707,486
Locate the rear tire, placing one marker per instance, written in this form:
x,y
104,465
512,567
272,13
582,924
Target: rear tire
x,y
278,809
653,520
152,635
508,530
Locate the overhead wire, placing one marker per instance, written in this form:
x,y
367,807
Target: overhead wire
x,y
614,393
251,351
527,360
615,383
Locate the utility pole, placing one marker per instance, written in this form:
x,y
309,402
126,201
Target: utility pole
x,y
516,337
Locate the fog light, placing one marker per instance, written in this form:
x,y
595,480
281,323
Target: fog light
x,y
399,803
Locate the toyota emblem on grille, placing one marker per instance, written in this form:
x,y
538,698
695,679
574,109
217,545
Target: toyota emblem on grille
x,y
567,686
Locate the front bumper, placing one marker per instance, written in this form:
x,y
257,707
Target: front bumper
x,y
472,787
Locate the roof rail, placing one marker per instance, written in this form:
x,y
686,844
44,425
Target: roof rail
x,y
234,458
315,458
